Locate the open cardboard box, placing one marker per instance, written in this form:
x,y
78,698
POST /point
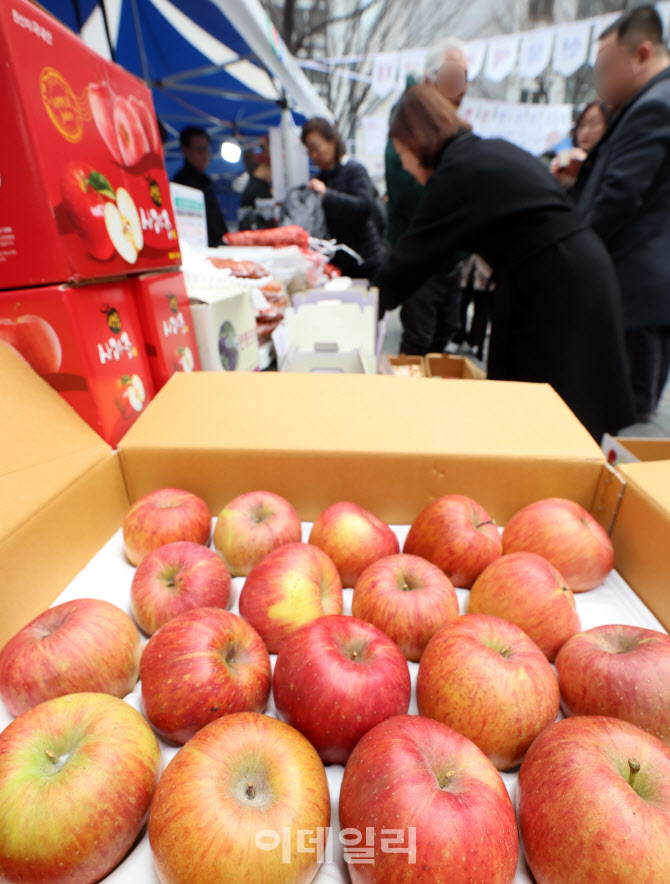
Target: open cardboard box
x,y
624,449
444,365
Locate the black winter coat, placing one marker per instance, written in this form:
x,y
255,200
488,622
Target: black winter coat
x,y
624,190
349,206
556,309
216,224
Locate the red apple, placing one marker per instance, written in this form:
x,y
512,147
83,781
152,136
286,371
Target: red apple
x,y
148,121
82,645
36,341
85,193
456,534
567,535
353,538
485,678
164,516
130,395
337,677
417,783
292,586
77,775
201,665
620,671
251,526
526,589
594,804
132,139
101,101
241,801
407,598
13,349
175,578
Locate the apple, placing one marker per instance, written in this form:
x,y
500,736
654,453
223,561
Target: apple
x,y
407,598
337,677
232,804
132,139
567,535
526,589
353,538
130,395
251,526
85,193
184,359
15,352
594,804
619,671
81,645
164,516
77,775
35,339
201,665
485,678
456,534
175,578
123,225
148,121
435,789
291,586
101,101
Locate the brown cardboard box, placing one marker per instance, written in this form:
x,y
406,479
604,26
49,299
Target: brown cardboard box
x,y
403,366
389,443
444,365
625,449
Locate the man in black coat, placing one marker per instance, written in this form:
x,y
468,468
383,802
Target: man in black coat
x,y
624,190
196,147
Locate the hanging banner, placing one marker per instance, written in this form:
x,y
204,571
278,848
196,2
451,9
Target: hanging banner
x,y
599,23
535,52
534,127
501,57
384,73
412,62
571,47
476,53
375,133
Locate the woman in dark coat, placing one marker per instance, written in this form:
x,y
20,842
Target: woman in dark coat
x,y
556,311
349,199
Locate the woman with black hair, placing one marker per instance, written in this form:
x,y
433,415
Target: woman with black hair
x,y
589,128
556,311
349,198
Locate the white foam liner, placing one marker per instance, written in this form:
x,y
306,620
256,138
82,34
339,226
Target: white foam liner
x,y
108,576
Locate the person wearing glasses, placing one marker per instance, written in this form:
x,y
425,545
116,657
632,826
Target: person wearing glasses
x,y
430,316
197,150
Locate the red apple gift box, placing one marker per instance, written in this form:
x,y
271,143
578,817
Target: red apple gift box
x,y
421,718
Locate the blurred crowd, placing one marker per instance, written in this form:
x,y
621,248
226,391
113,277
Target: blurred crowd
x,y
554,269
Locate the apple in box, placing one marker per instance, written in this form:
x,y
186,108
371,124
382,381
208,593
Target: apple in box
x,y
77,775
164,516
230,795
437,807
594,803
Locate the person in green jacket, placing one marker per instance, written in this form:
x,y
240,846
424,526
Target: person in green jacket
x,y
430,314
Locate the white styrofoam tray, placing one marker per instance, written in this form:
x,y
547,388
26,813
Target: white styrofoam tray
x,y
108,576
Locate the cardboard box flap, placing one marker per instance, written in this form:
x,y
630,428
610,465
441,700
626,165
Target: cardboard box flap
x,y
650,478
41,426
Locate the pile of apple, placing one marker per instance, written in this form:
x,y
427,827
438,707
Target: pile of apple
x,y
247,794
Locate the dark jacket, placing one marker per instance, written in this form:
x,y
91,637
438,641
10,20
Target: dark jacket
x,y
256,189
350,215
404,194
556,310
216,225
624,190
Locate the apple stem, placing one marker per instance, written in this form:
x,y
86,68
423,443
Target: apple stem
x,y
250,791
50,755
634,766
445,779
481,524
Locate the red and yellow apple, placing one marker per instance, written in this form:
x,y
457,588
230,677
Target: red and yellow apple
x,y
526,589
161,517
123,225
457,534
81,645
242,801
420,787
406,597
77,775
485,678
253,525
594,804
101,101
337,677
567,535
130,395
131,137
35,340
619,671
175,578
85,193
201,665
353,538
291,586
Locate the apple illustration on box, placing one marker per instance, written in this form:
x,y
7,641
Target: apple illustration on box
x,y
228,346
126,125
35,340
130,395
184,361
